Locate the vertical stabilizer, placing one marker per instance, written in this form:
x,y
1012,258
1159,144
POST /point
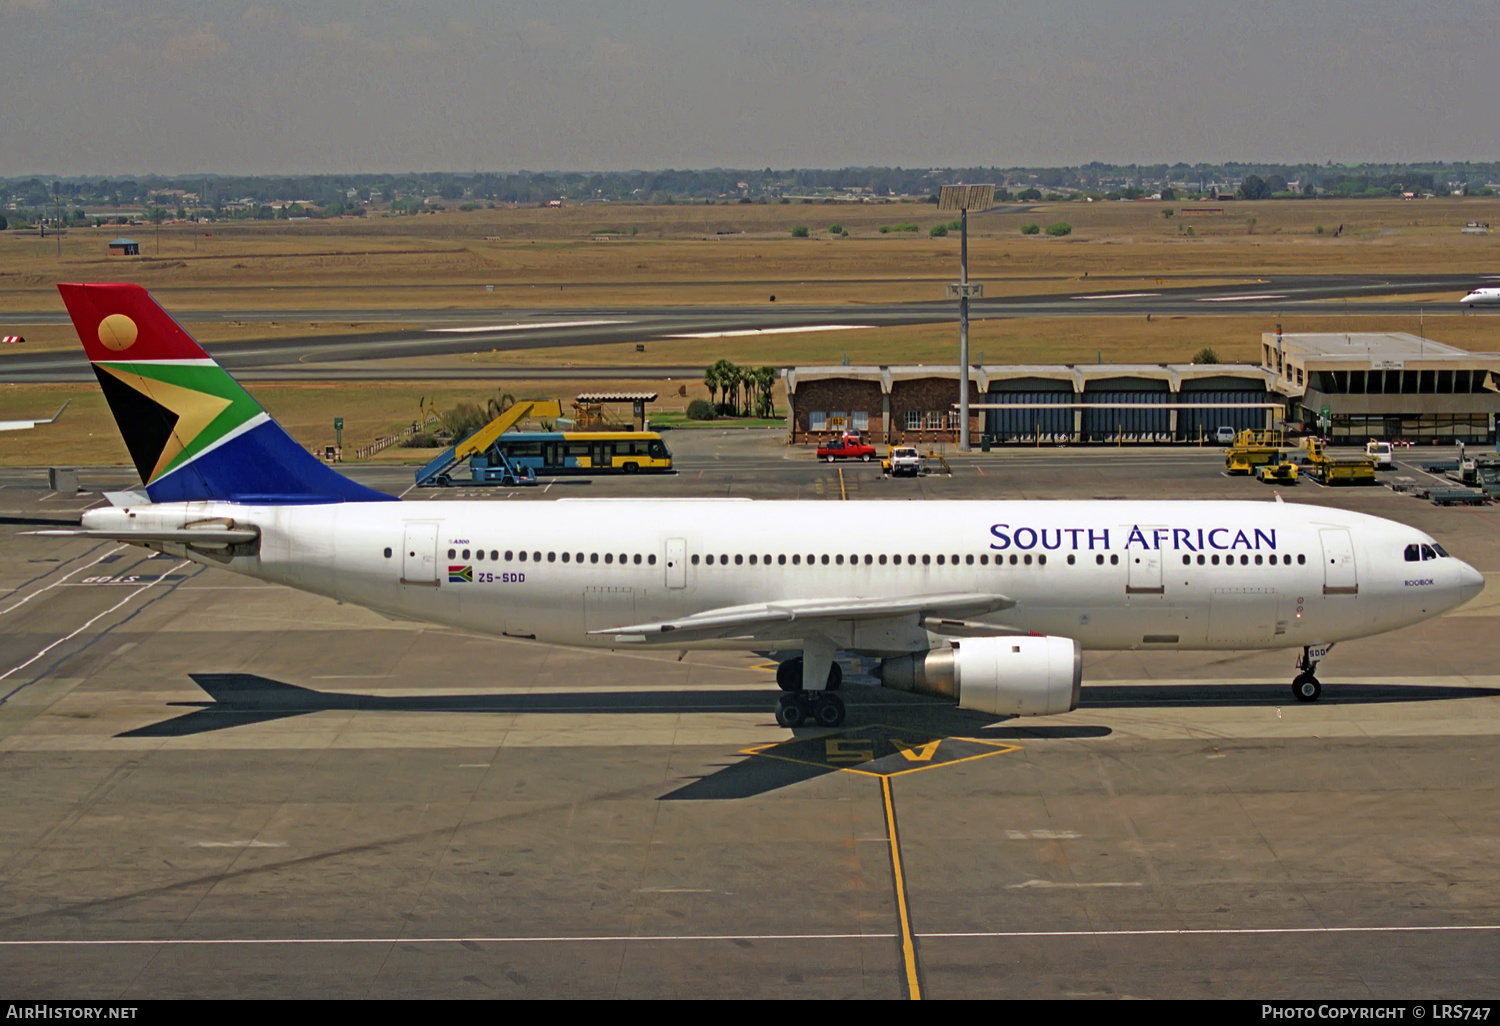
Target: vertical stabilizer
x,y
192,431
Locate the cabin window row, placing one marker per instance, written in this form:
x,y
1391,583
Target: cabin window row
x,y
512,555
1245,560
838,559
868,559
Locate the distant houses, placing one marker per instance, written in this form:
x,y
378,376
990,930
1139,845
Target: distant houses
x,y
124,247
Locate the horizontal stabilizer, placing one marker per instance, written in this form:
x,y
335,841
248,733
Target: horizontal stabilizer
x,y
790,619
203,538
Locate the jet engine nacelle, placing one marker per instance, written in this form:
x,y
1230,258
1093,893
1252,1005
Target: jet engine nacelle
x,y
1024,675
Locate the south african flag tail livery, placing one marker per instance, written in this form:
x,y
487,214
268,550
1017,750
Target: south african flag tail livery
x,y
193,433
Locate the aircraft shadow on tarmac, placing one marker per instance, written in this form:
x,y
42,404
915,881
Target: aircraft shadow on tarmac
x,y
241,699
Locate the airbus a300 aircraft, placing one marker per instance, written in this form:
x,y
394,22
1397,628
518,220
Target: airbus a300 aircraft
x,y
987,603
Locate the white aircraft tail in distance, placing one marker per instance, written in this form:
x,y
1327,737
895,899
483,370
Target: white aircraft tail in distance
x,y
988,603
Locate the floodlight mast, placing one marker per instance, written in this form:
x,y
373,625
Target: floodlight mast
x,y
962,198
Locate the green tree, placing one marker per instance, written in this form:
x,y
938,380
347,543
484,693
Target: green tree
x,y
722,377
765,384
1029,195
938,231
1206,355
1060,229
463,420
1254,188
800,232
1030,229
1169,195
4,224
711,382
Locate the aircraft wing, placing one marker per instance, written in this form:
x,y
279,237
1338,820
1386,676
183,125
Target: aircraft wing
x,y
794,617
22,425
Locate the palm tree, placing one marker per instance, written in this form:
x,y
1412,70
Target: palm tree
x,y
727,375
765,378
711,379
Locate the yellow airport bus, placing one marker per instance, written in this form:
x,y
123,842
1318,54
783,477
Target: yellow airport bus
x,y
586,452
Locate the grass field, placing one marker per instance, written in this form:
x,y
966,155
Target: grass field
x,y
86,434
549,257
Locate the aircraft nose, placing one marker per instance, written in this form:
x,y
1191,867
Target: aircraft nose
x,y
1470,582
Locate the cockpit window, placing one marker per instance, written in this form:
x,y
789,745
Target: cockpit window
x,y
1440,550
1413,553
1427,552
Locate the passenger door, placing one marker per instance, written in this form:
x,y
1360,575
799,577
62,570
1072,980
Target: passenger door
x,y
419,563
1340,576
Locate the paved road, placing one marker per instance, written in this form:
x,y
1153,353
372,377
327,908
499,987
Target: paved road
x,y
451,331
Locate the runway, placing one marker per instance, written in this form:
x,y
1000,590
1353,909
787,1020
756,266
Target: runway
x,y
219,787
448,331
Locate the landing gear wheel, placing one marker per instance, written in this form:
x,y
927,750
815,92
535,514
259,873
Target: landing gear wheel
x,y
789,675
790,712
829,711
1306,688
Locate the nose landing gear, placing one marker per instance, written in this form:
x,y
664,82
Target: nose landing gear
x,y
1305,687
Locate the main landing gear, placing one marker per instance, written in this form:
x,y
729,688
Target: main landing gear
x,y
1305,686
803,705
800,708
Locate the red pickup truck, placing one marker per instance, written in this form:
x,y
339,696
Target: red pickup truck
x,y
848,447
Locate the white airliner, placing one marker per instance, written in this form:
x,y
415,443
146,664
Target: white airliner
x,y
1482,297
987,603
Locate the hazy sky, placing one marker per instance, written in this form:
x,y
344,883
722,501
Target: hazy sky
x,y
364,85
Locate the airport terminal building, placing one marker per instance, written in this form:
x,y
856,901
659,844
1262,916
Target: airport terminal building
x,y
1388,385
1030,403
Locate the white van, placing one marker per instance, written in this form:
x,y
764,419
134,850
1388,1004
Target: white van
x,y
1380,452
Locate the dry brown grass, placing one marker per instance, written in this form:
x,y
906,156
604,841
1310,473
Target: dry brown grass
x,y
86,433
549,258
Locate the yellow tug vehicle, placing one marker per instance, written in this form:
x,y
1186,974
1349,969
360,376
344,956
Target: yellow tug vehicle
x,y
1252,450
1282,472
1337,470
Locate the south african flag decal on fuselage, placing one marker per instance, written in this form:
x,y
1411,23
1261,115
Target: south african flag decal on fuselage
x,y
460,575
